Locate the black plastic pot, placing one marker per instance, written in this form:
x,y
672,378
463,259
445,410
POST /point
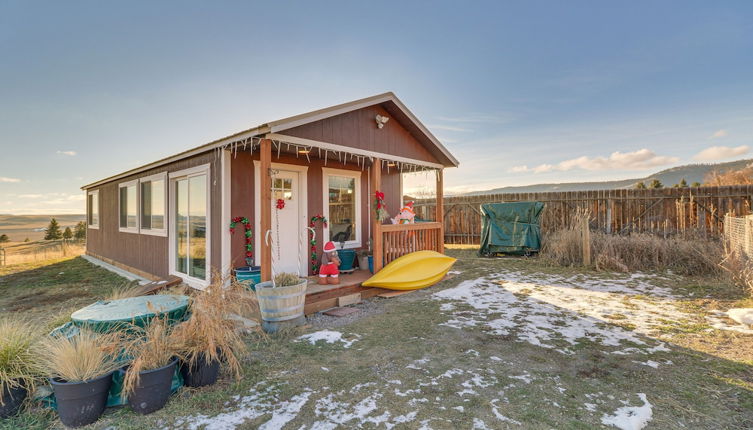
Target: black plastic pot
x,y
12,399
201,373
81,403
153,389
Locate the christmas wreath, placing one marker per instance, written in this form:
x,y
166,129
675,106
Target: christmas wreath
x,y
247,233
312,241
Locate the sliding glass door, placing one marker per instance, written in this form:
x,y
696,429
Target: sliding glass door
x,y
191,226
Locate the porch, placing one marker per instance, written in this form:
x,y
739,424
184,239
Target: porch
x,y
388,241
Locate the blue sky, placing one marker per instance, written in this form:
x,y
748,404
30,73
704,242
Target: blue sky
x,y
520,92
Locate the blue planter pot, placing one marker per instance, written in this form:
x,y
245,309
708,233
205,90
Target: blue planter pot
x,y
347,258
249,276
371,263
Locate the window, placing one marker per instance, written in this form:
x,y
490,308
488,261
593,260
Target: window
x,y
189,241
153,205
92,209
128,204
342,206
282,189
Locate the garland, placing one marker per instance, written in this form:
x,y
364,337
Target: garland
x,y
247,233
380,206
312,241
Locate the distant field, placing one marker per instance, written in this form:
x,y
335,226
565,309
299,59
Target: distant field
x,y
20,227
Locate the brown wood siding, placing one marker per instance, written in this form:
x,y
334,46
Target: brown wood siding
x,y
142,251
358,129
243,201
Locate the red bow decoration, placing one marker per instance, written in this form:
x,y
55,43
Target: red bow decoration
x,y
280,204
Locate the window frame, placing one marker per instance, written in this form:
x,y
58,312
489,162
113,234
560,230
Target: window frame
x,y
153,231
88,210
173,177
355,174
127,184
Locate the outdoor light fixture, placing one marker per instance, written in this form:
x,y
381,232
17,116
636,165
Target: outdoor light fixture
x,y
304,151
381,120
390,164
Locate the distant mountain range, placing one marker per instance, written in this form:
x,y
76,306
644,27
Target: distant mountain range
x,y
690,172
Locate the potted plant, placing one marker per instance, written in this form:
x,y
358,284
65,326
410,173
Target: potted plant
x,y
18,372
281,301
210,336
148,378
80,369
363,257
347,258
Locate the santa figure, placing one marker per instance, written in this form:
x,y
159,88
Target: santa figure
x,y
406,215
329,272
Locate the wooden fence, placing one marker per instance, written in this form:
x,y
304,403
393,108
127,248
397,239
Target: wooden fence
x,y
665,211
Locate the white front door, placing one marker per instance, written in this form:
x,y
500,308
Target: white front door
x,y
286,224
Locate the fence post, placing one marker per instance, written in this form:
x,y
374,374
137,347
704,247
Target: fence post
x,y
586,235
2,256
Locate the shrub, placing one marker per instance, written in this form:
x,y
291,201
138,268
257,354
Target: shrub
x,y
739,268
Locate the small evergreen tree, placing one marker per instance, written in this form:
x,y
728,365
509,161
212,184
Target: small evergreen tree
x,y
79,231
683,183
27,240
67,233
53,231
656,184
640,186
695,184
4,238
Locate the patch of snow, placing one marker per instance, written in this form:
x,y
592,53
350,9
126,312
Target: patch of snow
x,y
415,364
630,417
328,336
552,312
649,363
458,408
742,316
591,407
479,425
325,369
495,410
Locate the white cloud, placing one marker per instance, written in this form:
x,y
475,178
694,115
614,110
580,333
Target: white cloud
x,y
9,180
721,152
637,160
519,169
68,153
719,134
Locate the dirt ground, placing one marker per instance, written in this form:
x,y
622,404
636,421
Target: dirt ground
x,y
502,343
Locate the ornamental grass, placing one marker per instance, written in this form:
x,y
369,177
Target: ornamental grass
x,y
17,359
210,334
149,348
82,357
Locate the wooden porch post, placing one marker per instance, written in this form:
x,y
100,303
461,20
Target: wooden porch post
x,y
376,225
265,200
440,209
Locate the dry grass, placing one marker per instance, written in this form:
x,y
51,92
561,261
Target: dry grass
x,y
150,348
734,177
287,279
739,268
685,255
17,341
82,357
209,333
125,291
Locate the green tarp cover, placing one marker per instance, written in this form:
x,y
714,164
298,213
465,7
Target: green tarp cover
x,y
511,228
108,315
104,316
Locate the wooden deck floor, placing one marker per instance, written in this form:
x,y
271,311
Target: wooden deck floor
x,y
323,297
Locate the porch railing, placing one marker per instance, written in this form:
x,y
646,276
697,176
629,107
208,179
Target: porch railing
x,y
401,239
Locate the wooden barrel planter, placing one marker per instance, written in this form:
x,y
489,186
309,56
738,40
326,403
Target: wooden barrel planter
x,y
281,306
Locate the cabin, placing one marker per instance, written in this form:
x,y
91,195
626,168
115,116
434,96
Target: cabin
x,y
172,217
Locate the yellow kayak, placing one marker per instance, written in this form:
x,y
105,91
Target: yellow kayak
x,y
412,271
